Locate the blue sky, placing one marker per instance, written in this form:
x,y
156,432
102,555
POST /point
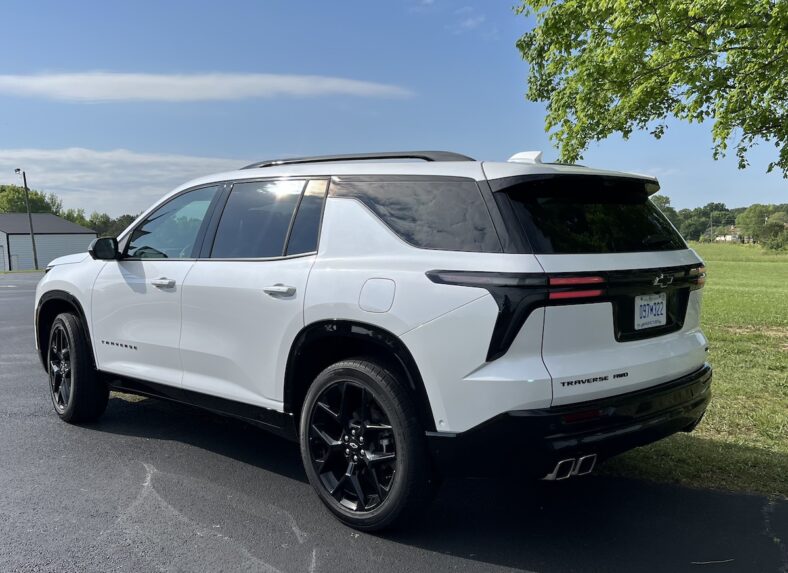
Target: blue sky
x,y
111,104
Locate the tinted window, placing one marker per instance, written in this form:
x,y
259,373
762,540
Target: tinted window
x,y
581,214
447,214
256,218
171,231
303,236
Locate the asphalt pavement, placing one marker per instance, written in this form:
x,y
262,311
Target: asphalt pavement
x,y
155,486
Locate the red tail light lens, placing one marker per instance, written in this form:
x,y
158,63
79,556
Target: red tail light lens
x,y
574,281
698,277
576,294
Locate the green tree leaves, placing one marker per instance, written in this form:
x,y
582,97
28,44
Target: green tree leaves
x,y
12,200
614,66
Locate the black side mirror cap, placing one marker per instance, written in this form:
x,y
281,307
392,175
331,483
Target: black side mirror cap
x,y
104,249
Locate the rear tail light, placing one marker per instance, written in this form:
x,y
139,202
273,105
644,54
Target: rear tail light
x,y
576,294
575,287
574,281
697,277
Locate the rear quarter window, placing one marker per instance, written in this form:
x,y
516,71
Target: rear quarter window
x,y
588,214
437,213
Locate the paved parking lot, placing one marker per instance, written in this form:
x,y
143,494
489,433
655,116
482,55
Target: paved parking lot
x,y
157,486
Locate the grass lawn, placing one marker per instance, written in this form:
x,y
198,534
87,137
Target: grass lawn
x,y
742,443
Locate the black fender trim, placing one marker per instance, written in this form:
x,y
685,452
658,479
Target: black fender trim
x,y
67,297
383,339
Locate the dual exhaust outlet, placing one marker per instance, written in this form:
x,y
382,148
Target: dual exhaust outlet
x,y
572,467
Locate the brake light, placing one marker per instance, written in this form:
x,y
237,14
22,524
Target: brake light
x,y
697,277
574,281
576,294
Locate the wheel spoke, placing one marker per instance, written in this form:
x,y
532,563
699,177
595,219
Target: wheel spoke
x,y
373,458
330,442
65,391
344,413
376,482
325,407
358,490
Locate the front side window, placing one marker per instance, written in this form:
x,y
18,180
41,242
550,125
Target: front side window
x,y
438,213
256,219
171,231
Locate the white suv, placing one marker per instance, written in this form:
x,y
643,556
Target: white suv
x,y
401,315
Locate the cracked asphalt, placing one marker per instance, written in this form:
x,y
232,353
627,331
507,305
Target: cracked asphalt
x,y
157,486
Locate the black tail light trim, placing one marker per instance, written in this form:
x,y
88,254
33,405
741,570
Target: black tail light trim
x,y
518,294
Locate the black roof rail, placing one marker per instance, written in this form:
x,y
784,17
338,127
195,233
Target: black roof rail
x,y
424,155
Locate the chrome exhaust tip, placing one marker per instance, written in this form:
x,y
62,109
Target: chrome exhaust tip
x,y
562,470
585,465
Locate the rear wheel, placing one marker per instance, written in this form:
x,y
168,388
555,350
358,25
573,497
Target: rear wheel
x,y
363,447
77,392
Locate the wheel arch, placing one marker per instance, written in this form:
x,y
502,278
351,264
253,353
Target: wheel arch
x,y
323,343
51,304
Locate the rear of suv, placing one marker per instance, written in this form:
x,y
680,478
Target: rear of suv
x,y
403,316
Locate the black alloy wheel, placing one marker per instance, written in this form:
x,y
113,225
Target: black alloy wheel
x,y
352,446
60,373
78,393
363,446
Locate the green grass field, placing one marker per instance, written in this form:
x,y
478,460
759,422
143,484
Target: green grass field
x,y
742,443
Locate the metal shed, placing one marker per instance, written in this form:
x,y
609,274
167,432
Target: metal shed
x,y
55,237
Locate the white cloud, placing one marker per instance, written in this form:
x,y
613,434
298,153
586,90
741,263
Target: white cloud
x,y
109,86
115,182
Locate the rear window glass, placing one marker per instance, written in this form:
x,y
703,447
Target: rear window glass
x,y
584,214
440,213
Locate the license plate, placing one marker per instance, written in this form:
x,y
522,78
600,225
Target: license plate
x,y
650,310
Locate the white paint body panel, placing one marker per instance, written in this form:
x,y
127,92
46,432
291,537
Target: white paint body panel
x,y
128,310
579,340
236,337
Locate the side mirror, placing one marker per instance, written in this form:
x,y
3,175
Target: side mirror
x,y
104,249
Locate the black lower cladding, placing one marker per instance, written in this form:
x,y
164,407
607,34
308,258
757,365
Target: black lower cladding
x,y
278,423
531,442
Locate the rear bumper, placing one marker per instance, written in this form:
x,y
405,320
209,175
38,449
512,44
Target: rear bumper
x,y
532,441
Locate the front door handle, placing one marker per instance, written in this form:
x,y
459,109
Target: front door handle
x,y
163,282
279,290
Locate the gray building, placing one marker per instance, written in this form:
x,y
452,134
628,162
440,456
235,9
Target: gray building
x,y
55,237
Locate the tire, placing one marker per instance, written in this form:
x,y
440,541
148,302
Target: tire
x,y
392,490
78,393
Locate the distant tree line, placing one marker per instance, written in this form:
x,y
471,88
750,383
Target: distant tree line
x,y
765,224
12,200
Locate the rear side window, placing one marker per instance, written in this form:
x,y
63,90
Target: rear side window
x,y
589,214
437,213
256,219
306,227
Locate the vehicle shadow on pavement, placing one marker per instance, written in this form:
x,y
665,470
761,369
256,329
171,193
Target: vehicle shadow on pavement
x,y
596,523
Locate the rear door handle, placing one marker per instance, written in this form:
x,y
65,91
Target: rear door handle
x,y
163,282
279,290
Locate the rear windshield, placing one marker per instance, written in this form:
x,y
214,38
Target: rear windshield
x,y
584,214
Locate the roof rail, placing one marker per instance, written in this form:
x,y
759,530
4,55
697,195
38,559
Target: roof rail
x,y
424,155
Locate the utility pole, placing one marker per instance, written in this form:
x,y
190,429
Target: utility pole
x,y
29,216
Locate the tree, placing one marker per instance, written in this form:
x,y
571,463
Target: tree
x,y
614,66
752,221
12,200
663,203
